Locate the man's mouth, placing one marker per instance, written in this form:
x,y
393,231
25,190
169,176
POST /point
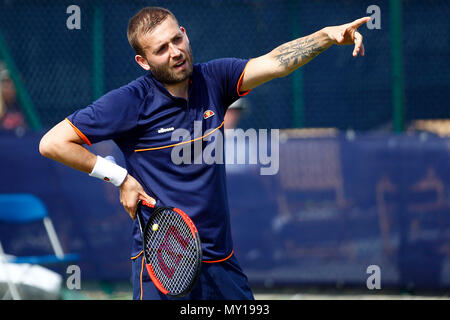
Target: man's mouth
x,y
180,64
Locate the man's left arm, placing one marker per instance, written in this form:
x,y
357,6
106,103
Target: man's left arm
x,y
289,56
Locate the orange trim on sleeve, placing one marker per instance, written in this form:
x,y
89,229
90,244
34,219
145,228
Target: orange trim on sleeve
x,y
79,133
240,82
221,260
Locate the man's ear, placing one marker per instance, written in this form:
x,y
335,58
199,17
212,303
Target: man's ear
x,y
184,32
142,62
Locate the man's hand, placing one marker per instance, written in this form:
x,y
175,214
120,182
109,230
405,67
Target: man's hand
x,y
131,192
348,34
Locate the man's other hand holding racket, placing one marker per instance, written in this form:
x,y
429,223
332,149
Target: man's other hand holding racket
x,y
131,191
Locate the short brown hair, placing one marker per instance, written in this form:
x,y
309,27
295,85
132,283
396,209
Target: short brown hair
x,y
143,22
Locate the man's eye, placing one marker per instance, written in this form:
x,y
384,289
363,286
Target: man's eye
x,y
161,50
178,39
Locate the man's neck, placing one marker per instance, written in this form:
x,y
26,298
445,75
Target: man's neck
x,y
179,90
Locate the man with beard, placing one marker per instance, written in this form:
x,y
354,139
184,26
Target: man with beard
x,y
140,117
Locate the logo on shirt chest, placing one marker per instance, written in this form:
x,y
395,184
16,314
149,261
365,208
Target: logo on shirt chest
x,y
163,130
208,114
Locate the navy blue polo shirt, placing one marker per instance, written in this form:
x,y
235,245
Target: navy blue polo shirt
x,y
141,117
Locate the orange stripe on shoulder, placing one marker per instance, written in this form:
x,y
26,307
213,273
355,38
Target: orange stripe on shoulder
x,y
79,133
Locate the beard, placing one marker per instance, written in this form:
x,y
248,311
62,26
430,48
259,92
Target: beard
x,y
167,75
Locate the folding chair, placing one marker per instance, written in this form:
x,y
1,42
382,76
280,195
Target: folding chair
x,y
24,208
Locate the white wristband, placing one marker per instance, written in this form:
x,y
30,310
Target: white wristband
x,y
109,171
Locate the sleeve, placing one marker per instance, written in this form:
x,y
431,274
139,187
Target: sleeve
x,y
228,73
109,117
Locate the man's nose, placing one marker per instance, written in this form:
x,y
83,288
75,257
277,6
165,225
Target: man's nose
x,y
174,51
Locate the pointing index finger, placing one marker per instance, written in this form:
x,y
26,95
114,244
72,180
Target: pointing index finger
x,y
359,22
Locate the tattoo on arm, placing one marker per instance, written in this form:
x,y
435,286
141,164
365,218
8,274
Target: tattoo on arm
x,y
291,54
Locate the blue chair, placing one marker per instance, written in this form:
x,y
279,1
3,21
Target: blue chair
x,y
24,208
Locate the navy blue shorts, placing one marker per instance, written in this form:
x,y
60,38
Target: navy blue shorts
x,y
217,281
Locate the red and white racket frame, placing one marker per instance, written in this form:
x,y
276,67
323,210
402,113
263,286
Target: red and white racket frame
x,y
195,235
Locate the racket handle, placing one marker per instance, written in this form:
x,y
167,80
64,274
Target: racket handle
x,y
140,218
139,214
145,203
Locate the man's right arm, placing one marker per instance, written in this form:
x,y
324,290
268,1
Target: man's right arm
x,y
64,145
289,56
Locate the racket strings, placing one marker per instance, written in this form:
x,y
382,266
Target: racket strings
x,y
172,251
173,257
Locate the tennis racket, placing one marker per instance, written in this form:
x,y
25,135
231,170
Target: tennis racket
x,y
172,248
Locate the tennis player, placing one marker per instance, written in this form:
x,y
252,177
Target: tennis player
x,y
140,117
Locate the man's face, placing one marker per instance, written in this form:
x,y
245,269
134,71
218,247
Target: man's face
x,y
168,54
